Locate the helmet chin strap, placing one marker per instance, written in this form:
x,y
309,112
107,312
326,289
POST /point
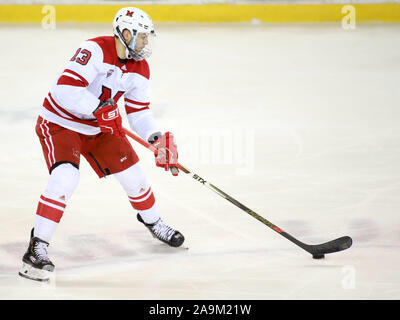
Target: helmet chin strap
x,y
129,50
128,54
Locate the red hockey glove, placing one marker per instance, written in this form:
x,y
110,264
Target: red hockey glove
x,y
166,153
109,118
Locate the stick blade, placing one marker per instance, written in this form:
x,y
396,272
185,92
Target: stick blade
x,y
336,245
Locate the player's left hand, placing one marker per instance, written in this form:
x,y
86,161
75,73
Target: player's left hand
x,y
166,153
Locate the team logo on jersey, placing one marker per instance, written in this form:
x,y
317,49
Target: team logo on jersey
x,y
129,13
109,72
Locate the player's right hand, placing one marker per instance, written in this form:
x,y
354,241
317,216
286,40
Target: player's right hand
x,y
109,118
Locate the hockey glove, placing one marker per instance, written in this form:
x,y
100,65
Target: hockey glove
x,y
109,118
166,152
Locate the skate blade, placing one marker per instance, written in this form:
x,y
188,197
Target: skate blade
x,y
181,247
29,272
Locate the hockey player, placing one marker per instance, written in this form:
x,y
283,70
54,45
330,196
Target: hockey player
x,y
80,116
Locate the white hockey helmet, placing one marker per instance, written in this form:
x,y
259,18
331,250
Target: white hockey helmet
x,y
137,22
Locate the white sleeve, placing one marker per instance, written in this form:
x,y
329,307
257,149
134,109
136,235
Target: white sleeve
x,y
70,89
137,108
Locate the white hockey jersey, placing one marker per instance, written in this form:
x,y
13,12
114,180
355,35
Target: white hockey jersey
x,y
94,74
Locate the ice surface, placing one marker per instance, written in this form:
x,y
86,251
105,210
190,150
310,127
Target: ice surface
x,y
299,123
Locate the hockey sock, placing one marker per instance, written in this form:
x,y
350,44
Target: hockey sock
x,y
140,195
145,205
62,183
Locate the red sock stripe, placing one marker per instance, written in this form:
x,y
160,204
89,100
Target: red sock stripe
x,y
57,203
136,199
48,212
144,205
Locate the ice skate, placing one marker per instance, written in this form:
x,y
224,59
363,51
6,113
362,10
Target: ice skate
x,y
164,233
36,265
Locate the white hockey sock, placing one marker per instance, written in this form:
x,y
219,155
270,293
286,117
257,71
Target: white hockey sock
x,y
140,195
150,216
62,183
44,228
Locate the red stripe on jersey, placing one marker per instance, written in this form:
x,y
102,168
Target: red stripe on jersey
x,y
133,110
57,203
144,205
48,212
49,107
77,75
137,102
68,81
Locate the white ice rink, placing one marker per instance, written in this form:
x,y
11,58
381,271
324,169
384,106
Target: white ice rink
x,y
298,122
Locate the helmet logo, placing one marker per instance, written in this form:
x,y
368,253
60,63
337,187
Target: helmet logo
x,y
129,13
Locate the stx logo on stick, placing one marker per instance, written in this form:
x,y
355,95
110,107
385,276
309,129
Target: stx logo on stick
x,y
196,177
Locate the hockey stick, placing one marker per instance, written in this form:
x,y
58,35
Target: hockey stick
x,y
317,250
